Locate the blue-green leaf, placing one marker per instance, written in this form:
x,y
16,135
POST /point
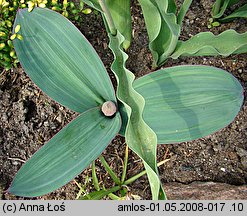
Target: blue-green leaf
x,y
94,4
206,44
184,103
139,136
120,12
239,13
66,154
162,28
60,60
220,7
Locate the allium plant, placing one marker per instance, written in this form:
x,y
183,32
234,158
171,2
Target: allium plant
x,y
170,105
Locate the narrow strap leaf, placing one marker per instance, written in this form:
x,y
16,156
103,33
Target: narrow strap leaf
x,y
184,103
110,171
120,12
66,154
239,13
97,195
95,178
162,28
206,44
139,137
168,6
183,10
60,60
94,4
219,8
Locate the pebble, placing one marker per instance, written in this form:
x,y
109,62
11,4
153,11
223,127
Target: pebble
x,y
53,126
4,117
244,162
240,70
46,123
223,169
15,163
241,152
59,118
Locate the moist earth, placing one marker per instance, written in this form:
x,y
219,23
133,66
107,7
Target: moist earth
x,y
29,118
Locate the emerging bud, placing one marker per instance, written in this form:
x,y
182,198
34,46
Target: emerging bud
x,y
13,37
87,11
17,28
19,37
2,45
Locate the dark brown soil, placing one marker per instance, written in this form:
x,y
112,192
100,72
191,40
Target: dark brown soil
x,y
29,118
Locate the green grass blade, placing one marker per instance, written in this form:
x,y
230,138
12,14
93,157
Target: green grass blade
x,y
125,164
95,178
97,195
206,44
142,173
66,154
162,28
239,13
60,60
110,171
139,137
94,4
184,103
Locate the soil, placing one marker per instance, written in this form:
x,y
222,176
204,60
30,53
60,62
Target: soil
x,y
30,118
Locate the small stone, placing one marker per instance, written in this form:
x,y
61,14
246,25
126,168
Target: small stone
x,y
46,123
244,162
223,169
4,117
59,118
15,163
241,152
53,126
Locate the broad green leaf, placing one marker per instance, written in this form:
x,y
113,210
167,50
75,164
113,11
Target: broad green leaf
x,y
239,13
60,61
184,103
139,137
162,28
206,43
66,154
